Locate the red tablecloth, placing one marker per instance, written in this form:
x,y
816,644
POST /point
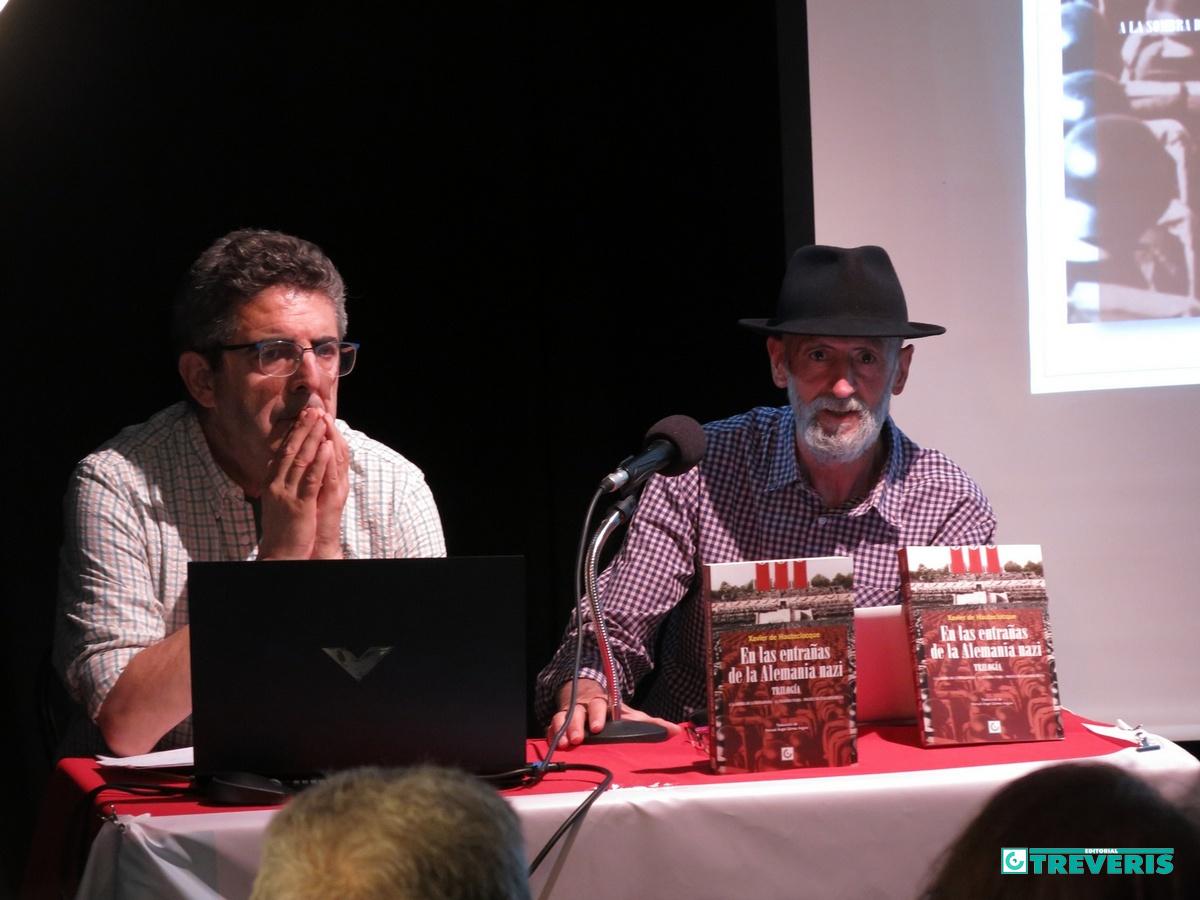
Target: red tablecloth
x,y
881,748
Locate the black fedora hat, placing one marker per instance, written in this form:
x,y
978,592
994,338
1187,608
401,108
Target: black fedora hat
x,y
844,292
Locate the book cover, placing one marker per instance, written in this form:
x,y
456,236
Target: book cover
x,y
982,646
780,635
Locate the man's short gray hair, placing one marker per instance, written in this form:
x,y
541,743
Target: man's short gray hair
x,y
425,832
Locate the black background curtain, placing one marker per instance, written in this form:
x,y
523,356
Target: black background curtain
x,y
549,220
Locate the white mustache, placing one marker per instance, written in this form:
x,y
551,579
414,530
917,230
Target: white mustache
x,y
833,404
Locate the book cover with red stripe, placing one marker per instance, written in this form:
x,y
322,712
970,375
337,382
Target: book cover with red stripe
x,y
781,684
982,646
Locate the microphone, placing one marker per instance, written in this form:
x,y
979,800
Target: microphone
x,y
672,446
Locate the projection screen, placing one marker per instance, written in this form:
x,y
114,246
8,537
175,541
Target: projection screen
x,y
919,120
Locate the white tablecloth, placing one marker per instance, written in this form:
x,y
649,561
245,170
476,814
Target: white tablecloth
x,y
852,836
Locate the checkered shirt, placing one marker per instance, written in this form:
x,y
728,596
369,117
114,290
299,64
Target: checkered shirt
x,y
152,499
748,500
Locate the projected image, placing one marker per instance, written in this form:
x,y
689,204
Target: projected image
x,y
1112,124
1129,158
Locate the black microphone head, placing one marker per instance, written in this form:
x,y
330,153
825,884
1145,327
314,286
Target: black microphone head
x,y
686,434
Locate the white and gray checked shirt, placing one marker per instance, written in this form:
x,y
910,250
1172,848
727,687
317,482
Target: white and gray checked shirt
x,y
141,507
747,500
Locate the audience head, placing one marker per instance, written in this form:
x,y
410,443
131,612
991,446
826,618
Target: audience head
x,y
1070,805
424,833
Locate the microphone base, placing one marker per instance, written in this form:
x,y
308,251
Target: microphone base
x,y
626,731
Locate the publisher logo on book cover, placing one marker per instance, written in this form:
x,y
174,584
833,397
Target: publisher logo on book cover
x,y
1014,860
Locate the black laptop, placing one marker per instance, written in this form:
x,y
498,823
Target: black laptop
x,y
300,668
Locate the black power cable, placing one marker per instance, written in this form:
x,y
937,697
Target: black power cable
x,y
580,811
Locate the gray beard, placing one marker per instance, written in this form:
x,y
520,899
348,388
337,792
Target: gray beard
x,y
837,448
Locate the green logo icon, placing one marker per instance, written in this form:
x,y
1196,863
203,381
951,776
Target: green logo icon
x,y
1014,860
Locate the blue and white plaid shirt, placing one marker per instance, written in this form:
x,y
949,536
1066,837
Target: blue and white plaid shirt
x,y
748,500
152,499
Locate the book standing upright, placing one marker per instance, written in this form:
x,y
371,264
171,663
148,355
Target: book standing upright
x,y
780,635
982,647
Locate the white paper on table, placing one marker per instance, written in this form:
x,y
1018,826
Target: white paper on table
x,y
1114,731
163,759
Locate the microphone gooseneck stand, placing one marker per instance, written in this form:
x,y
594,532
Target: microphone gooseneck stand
x,y
673,446
617,730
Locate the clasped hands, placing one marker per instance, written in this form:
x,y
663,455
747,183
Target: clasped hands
x,y
305,491
591,711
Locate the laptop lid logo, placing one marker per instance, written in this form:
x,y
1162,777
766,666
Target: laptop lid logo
x,y
357,667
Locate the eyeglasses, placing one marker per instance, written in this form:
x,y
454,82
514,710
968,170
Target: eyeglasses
x,y
280,359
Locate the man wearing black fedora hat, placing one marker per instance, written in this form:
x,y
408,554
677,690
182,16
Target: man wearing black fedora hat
x,y
829,474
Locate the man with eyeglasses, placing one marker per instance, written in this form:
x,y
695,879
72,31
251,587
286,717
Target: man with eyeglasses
x,y
254,465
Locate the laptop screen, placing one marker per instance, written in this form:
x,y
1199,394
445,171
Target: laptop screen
x,y
309,666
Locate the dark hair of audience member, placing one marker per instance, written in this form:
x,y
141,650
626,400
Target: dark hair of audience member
x,y
1070,805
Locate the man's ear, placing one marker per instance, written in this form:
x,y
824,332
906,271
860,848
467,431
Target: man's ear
x,y
197,374
779,367
903,361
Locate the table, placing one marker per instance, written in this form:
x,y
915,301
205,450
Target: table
x,y
668,828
